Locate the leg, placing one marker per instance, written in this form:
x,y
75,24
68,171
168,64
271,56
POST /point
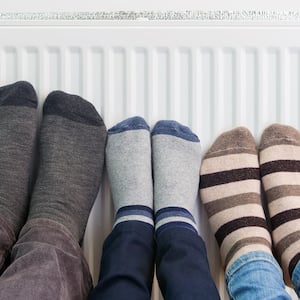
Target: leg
x,y
230,191
127,263
182,266
18,122
280,168
46,261
128,253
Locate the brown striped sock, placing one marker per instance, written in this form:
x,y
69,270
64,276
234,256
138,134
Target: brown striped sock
x,y
230,191
280,170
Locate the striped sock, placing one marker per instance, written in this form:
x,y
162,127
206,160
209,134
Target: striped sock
x,y
280,171
176,164
230,191
128,161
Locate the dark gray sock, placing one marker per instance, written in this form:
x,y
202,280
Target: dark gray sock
x,y
18,122
72,143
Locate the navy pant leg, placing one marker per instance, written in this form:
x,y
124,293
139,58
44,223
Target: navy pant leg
x,y
127,263
182,267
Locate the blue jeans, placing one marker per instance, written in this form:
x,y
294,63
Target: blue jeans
x,y
128,260
255,275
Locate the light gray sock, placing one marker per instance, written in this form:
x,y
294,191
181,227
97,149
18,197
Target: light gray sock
x,y
128,161
72,143
176,166
18,122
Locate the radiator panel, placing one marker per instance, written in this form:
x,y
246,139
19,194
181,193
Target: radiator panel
x,y
207,76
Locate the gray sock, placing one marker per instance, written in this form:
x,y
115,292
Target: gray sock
x,y
128,161
72,143
18,122
176,166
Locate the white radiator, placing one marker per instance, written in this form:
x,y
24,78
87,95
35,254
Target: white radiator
x,y
211,71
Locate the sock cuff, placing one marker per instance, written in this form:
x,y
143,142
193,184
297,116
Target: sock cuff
x,y
170,127
171,211
20,93
170,217
134,123
171,225
72,107
134,213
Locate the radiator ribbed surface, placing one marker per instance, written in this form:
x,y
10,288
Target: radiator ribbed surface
x,y
210,78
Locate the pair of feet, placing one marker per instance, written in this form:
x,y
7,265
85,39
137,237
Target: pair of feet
x,y
172,151
71,150
231,173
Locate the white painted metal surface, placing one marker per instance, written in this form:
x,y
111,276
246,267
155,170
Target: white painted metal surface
x,y
117,5
211,76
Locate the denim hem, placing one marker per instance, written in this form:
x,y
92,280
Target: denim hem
x,y
296,277
250,257
256,275
43,222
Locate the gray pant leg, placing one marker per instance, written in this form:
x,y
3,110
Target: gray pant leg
x,y
7,239
47,263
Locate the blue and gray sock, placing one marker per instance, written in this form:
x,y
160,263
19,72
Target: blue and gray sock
x,y
128,161
176,165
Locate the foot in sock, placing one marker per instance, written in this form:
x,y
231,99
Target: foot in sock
x,y
280,170
128,161
18,123
230,192
176,163
72,143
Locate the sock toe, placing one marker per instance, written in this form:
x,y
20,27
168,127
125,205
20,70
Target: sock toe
x,y
279,134
72,107
20,93
174,128
234,141
133,123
